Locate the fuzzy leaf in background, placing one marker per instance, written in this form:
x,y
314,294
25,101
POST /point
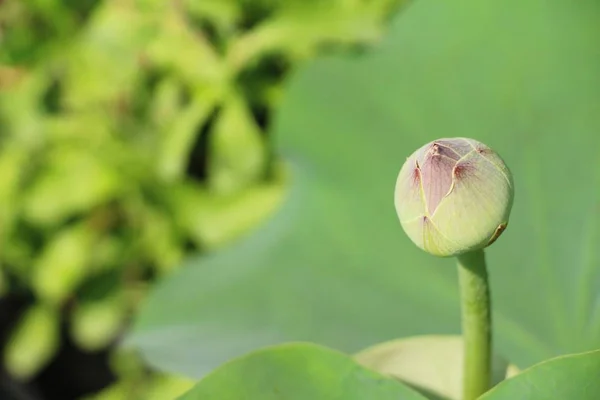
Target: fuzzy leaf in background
x,y
133,133
33,343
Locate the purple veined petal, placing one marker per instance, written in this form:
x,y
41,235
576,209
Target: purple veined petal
x,y
436,174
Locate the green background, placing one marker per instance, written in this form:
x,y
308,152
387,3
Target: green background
x,y
142,143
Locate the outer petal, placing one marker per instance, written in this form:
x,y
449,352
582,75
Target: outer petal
x,y
408,196
478,203
434,242
414,230
493,158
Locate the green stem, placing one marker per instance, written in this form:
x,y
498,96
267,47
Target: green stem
x,y
476,323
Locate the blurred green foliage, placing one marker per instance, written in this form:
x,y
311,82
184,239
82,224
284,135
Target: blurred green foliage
x,y
132,132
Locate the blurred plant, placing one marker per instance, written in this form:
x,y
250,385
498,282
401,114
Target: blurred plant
x,y
132,132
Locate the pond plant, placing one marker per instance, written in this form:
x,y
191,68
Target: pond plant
x,y
331,272
453,198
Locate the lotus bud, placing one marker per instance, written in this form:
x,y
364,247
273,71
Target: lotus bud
x,y
454,196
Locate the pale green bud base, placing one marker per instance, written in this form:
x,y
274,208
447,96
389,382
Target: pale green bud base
x,y
476,323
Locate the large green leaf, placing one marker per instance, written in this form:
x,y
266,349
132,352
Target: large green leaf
x,y
566,377
333,266
297,371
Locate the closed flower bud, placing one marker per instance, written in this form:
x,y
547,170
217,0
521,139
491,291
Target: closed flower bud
x,y
454,196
